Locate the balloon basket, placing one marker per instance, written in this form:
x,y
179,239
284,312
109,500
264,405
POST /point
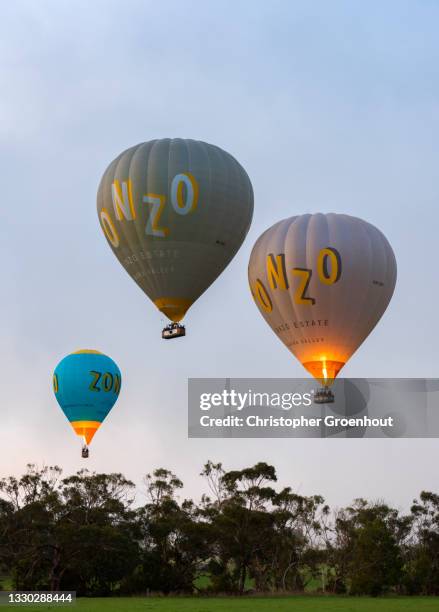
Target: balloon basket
x,y
324,395
85,452
173,330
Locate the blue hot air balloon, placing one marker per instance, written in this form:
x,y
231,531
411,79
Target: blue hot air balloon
x,y
86,385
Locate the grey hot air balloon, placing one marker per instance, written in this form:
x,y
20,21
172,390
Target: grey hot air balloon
x,y
175,212
322,283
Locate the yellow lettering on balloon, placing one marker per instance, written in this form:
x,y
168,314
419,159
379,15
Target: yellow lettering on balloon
x,y
157,203
304,275
329,266
108,227
122,196
276,271
182,203
262,296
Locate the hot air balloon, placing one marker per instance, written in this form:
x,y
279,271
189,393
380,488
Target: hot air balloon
x,y
174,212
322,282
86,385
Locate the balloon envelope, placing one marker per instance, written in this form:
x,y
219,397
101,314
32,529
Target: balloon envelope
x,y
86,385
322,282
175,212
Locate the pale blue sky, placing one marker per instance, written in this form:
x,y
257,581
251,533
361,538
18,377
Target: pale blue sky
x,y
330,106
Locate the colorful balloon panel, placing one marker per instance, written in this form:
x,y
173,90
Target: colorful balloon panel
x,y
322,283
86,385
175,212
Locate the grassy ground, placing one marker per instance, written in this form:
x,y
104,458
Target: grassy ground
x,y
256,604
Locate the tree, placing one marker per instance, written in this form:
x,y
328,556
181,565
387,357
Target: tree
x,y
369,547
173,540
27,522
83,533
423,557
96,541
297,547
240,524
73,533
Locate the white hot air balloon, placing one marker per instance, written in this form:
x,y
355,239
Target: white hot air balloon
x,y
322,282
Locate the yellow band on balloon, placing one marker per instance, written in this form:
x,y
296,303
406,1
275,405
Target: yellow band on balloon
x,y
86,429
324,370
173,308
81,351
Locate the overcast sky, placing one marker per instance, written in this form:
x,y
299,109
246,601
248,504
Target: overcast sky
x,y
330,106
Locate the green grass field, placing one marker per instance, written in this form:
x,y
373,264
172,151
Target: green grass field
x,y
254,604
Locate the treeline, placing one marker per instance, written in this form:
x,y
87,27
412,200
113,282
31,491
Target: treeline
x,y
86,533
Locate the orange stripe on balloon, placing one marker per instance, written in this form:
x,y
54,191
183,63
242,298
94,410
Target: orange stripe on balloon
x,y
86,429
